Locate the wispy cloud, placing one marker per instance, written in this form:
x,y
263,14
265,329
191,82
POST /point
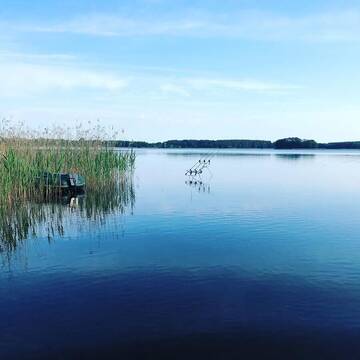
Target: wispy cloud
x,y
24,74
25,79
112,25
194,86
339,26
6,55
239,85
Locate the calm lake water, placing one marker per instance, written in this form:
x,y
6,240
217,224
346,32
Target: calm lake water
x,y
261,260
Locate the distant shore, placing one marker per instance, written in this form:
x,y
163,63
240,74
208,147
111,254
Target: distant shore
x,y
287,143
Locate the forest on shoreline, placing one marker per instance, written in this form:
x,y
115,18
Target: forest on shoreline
x,y
287,143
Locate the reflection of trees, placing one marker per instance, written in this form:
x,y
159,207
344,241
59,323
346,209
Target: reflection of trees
x,y
48,216
295,156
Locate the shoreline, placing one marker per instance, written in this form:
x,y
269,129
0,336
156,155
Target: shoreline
x,y
282,144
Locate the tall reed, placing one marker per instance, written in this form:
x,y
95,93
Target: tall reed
x,y
26,154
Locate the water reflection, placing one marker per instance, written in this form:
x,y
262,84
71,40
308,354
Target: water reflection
x,y
198,185
295,156
48,216
218,154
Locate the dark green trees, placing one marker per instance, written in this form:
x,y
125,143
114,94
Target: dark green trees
x,y
295,143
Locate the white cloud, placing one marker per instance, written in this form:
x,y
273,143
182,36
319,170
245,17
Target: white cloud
x,y
27,74
323,27
239,85
184,87
21,79
19,56
112,25
25,79
23,75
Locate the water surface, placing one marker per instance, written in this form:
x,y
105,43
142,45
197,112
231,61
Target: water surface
x,y
260,260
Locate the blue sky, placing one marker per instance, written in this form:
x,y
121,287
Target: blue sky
x,y
161,69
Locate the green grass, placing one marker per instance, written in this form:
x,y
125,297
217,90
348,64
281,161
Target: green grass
x,y
25,155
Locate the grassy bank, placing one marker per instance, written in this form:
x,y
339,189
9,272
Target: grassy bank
x,y
23,156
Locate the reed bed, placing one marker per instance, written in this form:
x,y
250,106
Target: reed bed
x,y
25,155
53,216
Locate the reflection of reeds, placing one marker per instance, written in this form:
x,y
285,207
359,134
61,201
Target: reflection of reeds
x,y
47,216
24,155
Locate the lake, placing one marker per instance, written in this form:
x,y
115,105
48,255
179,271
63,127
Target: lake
x,y
260,260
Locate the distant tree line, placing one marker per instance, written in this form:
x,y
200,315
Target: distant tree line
x,y
341,145
212,144
296,143
287,143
